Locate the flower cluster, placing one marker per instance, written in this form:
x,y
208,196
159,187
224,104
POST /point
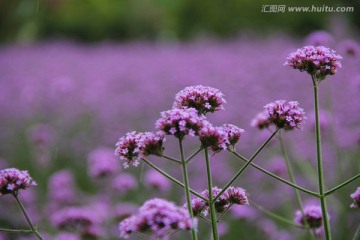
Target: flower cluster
x,y
155,180
159,217
319,38
180,122
134,146
214,137
285,115
150,143
41,134
233,195
204,99
82,220
124,183
233,133
61,188
356,198
219,138
127,150
312,216
261,120
101,163
319,61
12,180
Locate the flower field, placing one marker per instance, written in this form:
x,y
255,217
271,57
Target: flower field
x,y
65,105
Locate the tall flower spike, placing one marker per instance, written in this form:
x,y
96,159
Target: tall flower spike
x,y
180,122
319,61
204,99
12,180
356,198
285,115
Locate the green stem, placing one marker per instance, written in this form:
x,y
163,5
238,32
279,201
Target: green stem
x,y
205,219
292,180
171,159
211,202
274,215
246,165
193,155
34,230
342,185
357,234
224,212
172,178
15,230
186,187
327,230
275,176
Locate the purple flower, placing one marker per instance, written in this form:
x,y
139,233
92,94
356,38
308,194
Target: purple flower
x,y
324,118
243,212
41,134
213,137
199,206
285,115
101,162
350,47
151,143
319,61
233,133
312,215
124,182
233,195
356,198
203,99
319,38
127,149
236,195
12,180
130,225
158,216
124,210
155,180
180,122
83,220
66,236
134,146
261,120
61,187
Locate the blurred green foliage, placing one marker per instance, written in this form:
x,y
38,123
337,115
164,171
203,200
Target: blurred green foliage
x,y
93,20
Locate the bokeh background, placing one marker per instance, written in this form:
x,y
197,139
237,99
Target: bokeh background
x,y
77,75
